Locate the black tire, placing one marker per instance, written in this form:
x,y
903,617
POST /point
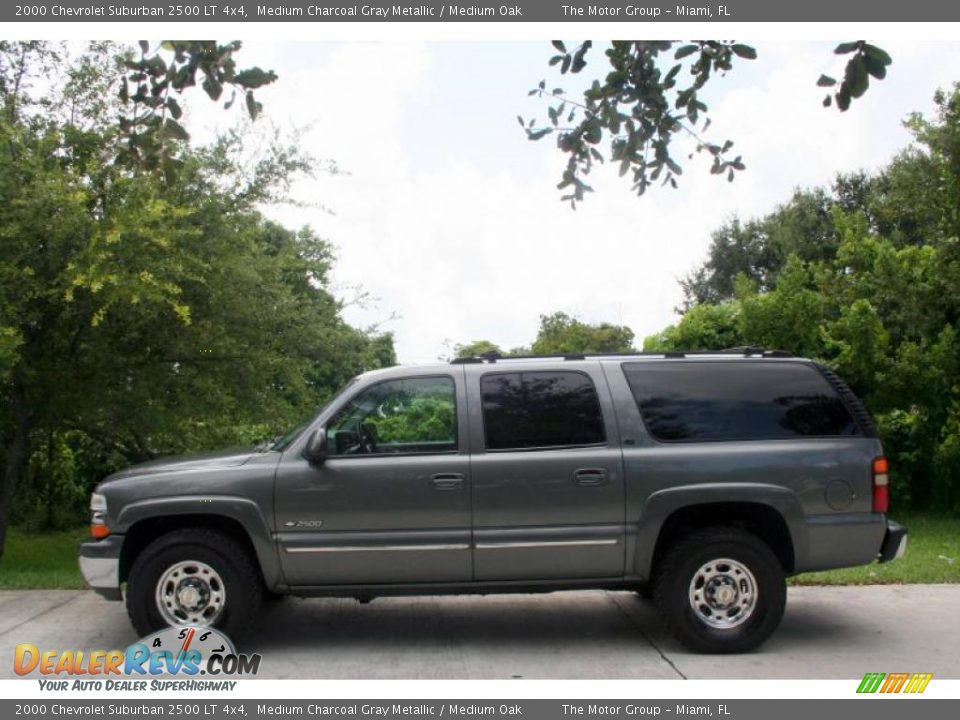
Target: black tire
x,y
228,558
681,602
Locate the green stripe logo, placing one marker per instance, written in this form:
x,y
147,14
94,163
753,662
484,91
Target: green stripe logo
x,y
871,682
891,683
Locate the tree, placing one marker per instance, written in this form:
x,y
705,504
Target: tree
x,y
758,249
476,348
149,117
560,333
646,100
877,298
143,313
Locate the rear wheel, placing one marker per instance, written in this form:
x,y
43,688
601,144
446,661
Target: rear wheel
x,y
720,590
193,576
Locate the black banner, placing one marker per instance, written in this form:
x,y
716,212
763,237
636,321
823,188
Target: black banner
x,y
78,11
212,708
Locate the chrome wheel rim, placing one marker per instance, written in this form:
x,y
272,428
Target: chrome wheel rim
x,y
723,593
190,593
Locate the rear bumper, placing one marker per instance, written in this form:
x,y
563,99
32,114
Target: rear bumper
x,y
894,543
100,565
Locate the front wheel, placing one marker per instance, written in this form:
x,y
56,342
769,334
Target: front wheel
x,y
193,576
720,590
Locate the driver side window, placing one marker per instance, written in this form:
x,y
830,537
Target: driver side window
x,y
410,415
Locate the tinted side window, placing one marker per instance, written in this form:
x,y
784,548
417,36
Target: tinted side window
x,y
540,409
713,401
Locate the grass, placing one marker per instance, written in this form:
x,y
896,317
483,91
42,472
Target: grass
x,y
41,560
49,560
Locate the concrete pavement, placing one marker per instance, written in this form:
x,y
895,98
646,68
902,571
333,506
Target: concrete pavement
x,y
827,632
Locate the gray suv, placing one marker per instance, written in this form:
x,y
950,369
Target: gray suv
x,y
703,479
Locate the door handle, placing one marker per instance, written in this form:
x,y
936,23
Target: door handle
x,y
590,476
447,481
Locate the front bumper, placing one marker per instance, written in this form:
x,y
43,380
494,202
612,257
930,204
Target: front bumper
x,y
894,543
100,564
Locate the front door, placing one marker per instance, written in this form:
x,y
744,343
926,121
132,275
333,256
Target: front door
x,y
391,503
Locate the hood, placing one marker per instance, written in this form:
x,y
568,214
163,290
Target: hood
x,y
183,463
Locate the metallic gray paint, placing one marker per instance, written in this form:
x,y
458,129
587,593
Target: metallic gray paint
x,y
518,520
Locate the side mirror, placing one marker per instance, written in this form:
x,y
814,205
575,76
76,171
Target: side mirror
x,y
316,449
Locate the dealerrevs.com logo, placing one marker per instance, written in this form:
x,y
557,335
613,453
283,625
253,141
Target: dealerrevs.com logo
x,y
180,651
899,682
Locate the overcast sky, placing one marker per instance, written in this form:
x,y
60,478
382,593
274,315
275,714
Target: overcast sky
x,y
449,218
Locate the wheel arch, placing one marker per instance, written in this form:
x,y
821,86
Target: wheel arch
x,y
772,513
240,519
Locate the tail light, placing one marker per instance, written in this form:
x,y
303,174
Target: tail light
x,y
881,485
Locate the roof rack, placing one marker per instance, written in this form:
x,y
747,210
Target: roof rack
x,y
743,351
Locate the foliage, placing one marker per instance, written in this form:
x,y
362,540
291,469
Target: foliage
x,y
423,418
560,333
143,314
149,122
876,296
475,349
654,93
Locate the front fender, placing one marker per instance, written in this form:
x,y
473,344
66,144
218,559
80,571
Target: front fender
x,y
246,512
663,503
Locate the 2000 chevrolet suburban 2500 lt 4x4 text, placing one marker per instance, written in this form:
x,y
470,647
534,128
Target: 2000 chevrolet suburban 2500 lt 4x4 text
x,y
703,478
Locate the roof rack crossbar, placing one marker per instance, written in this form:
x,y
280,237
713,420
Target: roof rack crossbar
x,y
744,351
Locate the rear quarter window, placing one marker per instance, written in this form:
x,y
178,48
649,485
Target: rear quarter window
x,y
746,400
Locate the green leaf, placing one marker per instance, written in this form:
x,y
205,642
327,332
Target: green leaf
x,y
827,101
684,51
846,48
144,46
578,63
826,81
878,54
593,132
744,51
856,79
212,87
538,134
253,107
174,107
253,78
876,68
558,44
172,128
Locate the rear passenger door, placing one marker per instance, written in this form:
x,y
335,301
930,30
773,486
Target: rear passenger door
x,y
547,470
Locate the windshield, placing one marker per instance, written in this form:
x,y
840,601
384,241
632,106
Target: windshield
x,y
285,440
